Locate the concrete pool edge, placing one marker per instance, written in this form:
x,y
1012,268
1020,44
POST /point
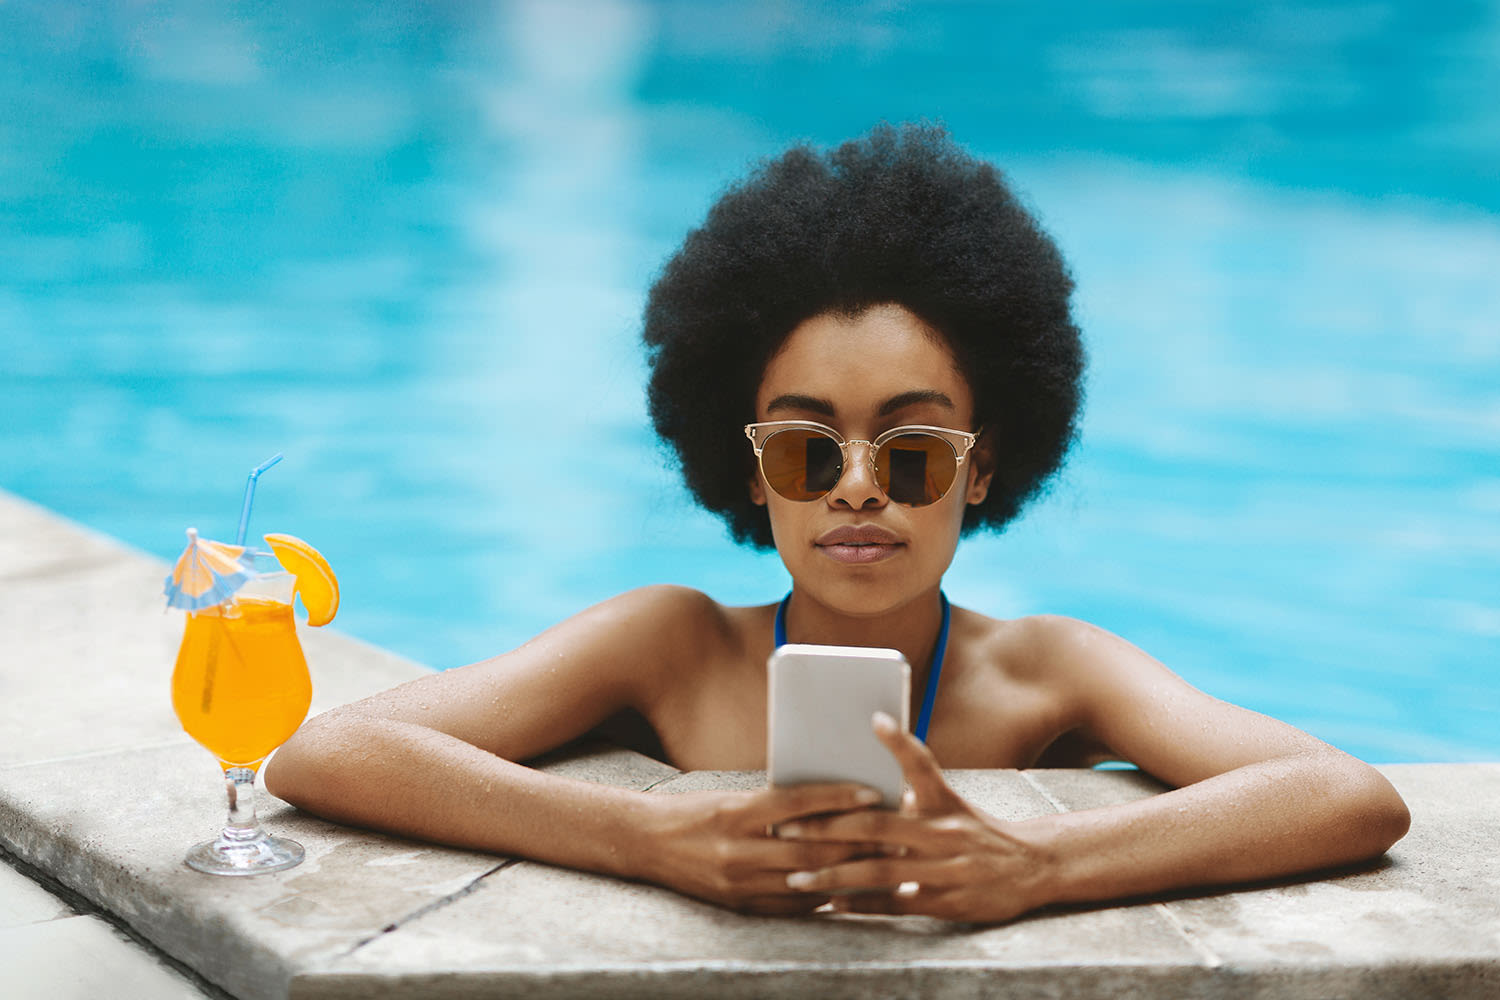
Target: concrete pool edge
x,y
104,793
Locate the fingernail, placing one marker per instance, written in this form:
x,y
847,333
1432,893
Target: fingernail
x,y
867,796
789,830
884,721
801,880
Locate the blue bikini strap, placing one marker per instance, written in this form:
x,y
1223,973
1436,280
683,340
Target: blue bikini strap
x,y
924,717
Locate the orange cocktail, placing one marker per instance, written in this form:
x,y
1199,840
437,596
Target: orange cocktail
x,y
240,686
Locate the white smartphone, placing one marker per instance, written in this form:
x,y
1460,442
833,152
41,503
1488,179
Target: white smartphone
x,y
821,701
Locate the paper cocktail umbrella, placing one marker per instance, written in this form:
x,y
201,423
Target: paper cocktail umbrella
x,y
207,573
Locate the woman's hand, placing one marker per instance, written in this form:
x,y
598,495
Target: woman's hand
x,y
720,846
938,856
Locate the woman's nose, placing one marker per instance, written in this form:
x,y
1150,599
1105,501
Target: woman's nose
x,y
857,488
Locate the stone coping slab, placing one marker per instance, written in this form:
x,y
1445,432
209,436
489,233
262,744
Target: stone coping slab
x,y
1423,922
100,789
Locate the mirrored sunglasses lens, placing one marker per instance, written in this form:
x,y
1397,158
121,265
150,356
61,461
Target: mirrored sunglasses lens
x,y
916,469
801,464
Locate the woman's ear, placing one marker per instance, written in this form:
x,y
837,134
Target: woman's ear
x,y
757,493
981,471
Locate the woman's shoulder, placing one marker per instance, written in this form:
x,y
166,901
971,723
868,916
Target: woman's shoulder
x,y
1073,661
1006,702
1028,644
672,620
686,649
1084,666
665,599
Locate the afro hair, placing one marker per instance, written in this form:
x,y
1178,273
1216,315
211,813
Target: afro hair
x,y
900,216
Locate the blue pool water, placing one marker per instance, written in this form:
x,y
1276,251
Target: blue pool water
x,y
408,246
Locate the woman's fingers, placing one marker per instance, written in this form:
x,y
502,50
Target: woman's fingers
x,y
946,902
928,789
878,873
790,855
909,899
874,826
721,850
759,870
775,806
905,899
784,905
884,831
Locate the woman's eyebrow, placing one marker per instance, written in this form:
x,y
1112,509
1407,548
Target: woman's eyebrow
x,y
914,397
816,404
797,401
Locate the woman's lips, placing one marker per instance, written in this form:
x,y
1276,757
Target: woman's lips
x,y
858,553
858,544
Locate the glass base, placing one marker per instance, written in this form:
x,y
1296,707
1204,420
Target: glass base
x,y
245,857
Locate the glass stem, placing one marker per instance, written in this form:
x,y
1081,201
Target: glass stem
x,y
241,825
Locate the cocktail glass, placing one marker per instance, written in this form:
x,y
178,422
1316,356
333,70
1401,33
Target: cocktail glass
x,y
241,688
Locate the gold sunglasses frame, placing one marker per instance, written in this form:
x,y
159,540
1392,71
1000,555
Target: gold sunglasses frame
x,y
948,435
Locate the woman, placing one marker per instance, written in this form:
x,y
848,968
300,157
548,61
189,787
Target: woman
x,y
894,285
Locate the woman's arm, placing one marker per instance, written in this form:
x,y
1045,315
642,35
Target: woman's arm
x,y
1257,798
436,759
1260,800
433,758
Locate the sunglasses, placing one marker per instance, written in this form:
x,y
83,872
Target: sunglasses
x,y
914,465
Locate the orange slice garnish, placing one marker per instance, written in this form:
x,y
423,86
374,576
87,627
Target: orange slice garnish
x,y
315,580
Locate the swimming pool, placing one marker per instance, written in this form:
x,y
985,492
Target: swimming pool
x,y
408,247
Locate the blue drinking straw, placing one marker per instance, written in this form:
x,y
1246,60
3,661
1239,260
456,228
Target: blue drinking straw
x,y
239,536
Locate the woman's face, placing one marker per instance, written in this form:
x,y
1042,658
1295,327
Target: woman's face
x,y
863,376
